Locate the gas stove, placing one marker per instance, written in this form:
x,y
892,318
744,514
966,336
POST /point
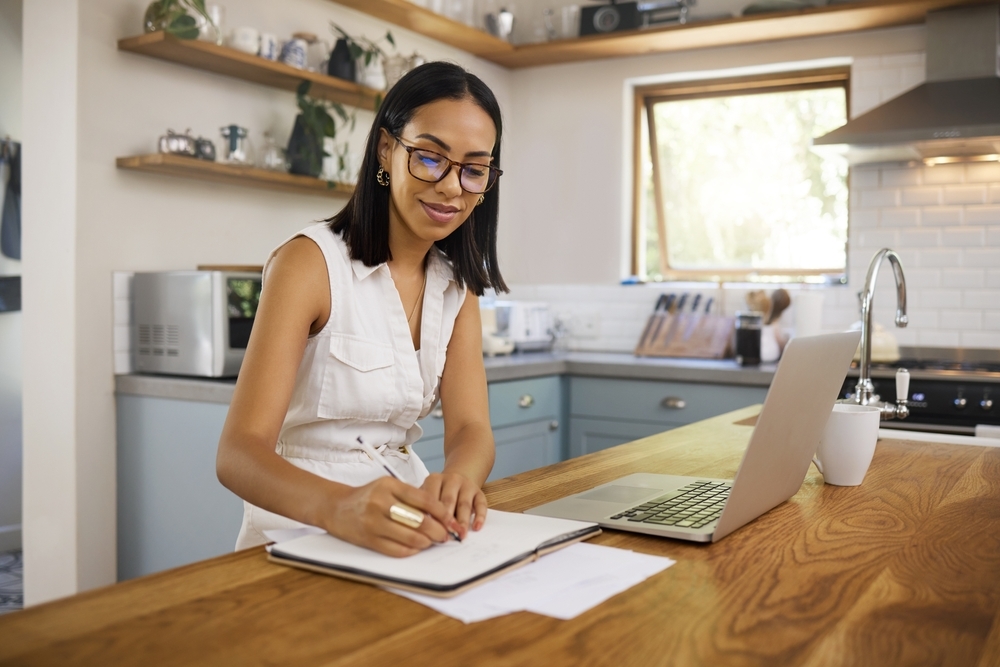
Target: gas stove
x,y
951,390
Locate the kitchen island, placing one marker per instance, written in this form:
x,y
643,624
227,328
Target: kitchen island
x,y
901,570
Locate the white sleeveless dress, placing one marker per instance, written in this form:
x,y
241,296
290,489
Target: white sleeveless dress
x,y
360,376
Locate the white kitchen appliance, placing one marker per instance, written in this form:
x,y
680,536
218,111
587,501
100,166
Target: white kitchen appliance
x,y
193,322
529,324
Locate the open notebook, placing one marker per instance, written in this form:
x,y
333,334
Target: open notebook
x,y
505,542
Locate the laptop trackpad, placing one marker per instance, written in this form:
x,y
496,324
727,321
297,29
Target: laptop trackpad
x,y
618,494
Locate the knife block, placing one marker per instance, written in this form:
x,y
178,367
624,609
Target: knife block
x,y
692,335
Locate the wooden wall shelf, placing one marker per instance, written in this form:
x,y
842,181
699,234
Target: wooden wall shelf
x,y
230,62
232,174
814,21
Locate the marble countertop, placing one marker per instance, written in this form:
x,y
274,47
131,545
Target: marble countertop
x,y
498,369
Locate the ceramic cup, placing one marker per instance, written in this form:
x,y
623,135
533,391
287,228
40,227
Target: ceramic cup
x,y
848,444
245,39
269,46
293,52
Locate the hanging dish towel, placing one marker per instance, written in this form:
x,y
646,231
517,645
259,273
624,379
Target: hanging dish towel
x,y
10,224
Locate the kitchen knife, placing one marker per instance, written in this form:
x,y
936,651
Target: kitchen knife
x,y
644,338
671,330
663,315
694,318
708,306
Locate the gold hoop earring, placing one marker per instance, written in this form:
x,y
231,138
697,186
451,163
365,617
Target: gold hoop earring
x,y
382,177
482,198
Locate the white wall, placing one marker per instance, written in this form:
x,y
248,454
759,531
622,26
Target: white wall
x,y
97,103
10,323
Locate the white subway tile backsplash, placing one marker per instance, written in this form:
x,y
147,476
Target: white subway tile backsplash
x,y
121,338
864,178
944,174
923,318
995,193
921,278
993,237
906,336
939,258
991,319
935,298
911,77
919,238
941,216
982,172
878,198
993,278
899,217
961,319
122,311
962,237
982,215
864,99
902,60
864,218
988,300
980,339
934,338
981,257
965,194
896,176
970,278
924,196
123,363
878,239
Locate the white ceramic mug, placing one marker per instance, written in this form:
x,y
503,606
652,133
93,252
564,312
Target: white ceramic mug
x,y
245,39
848,444
270,48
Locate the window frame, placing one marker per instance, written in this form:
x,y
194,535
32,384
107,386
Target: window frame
x,y
645,97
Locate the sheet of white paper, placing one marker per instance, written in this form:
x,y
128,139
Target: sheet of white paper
x,y
563,584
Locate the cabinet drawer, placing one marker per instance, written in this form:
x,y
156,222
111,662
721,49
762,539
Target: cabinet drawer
x,y
669,403
520,401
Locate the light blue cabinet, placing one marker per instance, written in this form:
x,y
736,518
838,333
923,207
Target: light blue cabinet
x,y
604,412
172,510
526,416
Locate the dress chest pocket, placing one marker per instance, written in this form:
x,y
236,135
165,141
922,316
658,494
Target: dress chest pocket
x,y
359,381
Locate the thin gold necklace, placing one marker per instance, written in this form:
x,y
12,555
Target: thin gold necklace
x,y
419,296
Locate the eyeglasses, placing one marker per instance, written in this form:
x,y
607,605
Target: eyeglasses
x,y
431,167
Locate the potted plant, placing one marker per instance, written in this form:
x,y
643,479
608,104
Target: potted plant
x,y
172,17
314,123
361,56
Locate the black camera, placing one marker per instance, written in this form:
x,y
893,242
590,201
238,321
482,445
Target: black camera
x,y
609,18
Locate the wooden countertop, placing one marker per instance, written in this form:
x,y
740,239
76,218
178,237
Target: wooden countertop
x,y
904,570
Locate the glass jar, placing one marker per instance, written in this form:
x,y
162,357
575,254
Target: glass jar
x,y
747,345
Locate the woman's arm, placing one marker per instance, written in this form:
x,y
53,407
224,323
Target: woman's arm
x,y
296,302
468,438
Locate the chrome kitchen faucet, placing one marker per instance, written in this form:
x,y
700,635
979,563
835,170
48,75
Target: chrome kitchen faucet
x,y
864,392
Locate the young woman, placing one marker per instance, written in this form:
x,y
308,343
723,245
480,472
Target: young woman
x,y
365,322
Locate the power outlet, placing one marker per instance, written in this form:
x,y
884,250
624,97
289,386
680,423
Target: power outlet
x,y
587,325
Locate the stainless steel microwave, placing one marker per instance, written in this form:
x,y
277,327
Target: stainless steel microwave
x,y
192,322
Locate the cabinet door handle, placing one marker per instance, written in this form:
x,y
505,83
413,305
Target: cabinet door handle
x,y
673,403
438,412
553,425
526,401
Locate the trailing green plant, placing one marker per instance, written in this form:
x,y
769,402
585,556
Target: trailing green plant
x,y
316,121
172,16
363,48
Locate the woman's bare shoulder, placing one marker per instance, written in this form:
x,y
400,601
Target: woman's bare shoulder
x,y
298,274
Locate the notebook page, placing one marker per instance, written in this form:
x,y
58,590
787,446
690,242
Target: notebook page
x,y
504,537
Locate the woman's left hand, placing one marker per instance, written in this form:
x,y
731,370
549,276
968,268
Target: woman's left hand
x,y
462,497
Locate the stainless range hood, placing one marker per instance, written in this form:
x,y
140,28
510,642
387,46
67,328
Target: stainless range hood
x,y
955,114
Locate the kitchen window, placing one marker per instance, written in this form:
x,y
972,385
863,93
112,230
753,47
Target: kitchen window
x,y
728,186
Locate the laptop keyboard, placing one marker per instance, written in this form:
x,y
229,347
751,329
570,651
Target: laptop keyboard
x,y
690,506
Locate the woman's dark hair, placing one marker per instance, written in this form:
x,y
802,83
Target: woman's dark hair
x,y
364,222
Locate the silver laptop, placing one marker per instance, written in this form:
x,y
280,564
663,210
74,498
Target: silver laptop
x,y
795,412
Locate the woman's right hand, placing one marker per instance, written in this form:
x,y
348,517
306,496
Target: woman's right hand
x,y
361,516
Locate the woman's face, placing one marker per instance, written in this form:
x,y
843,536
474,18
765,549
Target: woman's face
x,y
457,129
